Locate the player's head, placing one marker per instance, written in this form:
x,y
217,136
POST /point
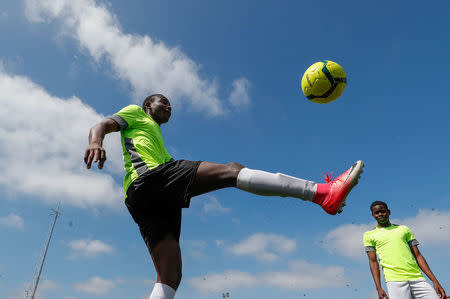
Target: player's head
x,y
158,107
378,203
380,212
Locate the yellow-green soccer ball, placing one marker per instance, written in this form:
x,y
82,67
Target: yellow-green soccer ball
x,y
324,82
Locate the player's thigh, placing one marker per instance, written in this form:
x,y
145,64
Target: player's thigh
x,y
211,176
398,290
218,171
422,290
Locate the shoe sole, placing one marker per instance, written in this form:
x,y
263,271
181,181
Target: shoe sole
x,y
353,175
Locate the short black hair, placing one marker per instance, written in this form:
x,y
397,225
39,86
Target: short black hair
x,y
378,203
151,98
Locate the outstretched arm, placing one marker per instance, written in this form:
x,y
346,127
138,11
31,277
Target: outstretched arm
x,y
426,269
375,270
95,151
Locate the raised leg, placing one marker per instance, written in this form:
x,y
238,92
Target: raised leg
x,y
330,196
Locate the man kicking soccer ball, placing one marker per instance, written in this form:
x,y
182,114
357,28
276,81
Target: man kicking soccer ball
x,y
400,258
157,187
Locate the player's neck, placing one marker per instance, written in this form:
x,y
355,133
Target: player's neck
x,y
154,119
387,224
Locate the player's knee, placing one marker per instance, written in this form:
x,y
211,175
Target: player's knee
x,y
231,174
233,170
235,167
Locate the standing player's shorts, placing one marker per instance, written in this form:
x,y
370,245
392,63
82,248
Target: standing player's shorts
x,y
155,199
413,289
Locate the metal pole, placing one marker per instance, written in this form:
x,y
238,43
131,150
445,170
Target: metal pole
x,y
45,252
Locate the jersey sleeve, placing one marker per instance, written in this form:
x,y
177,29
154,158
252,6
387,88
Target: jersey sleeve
x,y
369,244
410,238
167,157
126,117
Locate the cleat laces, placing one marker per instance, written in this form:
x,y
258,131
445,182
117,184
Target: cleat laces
x,y
328,178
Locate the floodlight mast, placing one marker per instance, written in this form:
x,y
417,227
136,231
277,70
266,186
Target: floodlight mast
x,y
36,283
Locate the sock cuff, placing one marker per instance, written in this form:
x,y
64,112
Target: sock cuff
x,y
163,291
243,178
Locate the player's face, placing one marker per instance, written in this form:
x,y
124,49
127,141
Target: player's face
x,y
381,214
160,110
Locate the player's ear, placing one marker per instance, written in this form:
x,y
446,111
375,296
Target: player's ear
x,y
148,105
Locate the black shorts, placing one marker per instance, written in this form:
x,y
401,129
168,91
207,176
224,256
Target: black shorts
x,y
156,198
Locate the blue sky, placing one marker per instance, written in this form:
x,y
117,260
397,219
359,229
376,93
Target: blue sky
x,y
232,71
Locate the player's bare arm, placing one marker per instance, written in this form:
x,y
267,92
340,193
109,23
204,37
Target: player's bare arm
x,y
95,151
375,270
426,269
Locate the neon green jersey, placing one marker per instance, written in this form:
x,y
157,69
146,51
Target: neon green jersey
x,y
392,245
142,143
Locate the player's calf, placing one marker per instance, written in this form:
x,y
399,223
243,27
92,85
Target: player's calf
x,y
330,196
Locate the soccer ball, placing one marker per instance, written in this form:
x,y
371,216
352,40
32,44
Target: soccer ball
x,y
324,82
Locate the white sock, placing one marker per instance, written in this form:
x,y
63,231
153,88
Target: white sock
x,y
275,184
162,291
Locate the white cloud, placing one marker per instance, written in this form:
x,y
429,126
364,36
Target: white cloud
x,y
346,240
12,220
95,285
45,137
220,243
316,276
148,66
48,285
212,205
430,228
266,247
295,278
45,286
239,96
90,248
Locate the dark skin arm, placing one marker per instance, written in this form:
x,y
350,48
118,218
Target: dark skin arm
x,y
375,270
426,269
95,151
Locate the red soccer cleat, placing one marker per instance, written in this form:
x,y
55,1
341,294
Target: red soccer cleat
x,y
331,195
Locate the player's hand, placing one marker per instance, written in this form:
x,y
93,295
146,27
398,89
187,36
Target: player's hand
x,y
439,290
382,294
94,153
